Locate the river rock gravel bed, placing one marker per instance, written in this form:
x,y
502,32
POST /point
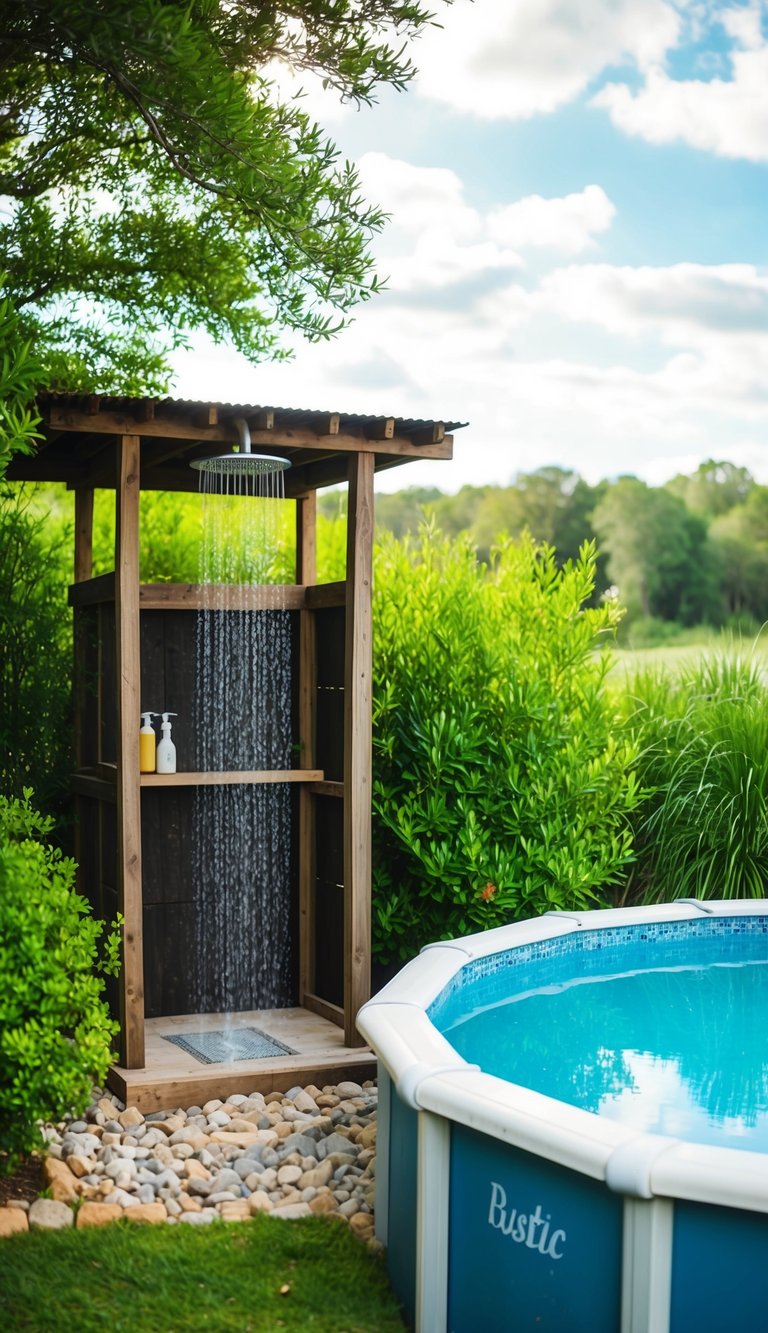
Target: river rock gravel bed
x,y
307,1151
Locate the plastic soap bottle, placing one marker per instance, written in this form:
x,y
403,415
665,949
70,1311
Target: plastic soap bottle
x,y
147,743
166,750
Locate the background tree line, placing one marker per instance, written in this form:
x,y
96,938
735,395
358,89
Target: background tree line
x,y
693,552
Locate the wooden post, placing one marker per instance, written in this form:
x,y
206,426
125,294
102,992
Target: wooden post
x,y
358,670
306,573
82,570
306,538
83,533
128,790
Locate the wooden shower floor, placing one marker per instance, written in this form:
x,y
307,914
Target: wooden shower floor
x,y
172,1077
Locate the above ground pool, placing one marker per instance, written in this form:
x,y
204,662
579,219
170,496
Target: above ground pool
x,y
573,1124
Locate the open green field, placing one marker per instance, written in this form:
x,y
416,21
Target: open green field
x,y
677,657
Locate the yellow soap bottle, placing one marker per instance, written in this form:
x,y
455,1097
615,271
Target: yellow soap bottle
x,y
147,744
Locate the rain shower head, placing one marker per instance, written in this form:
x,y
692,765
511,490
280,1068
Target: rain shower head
x,y
242,464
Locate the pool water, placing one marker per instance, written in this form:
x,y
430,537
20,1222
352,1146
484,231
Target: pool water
x,y
680,1051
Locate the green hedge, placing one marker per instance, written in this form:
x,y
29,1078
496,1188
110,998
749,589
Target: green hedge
x,y
55,1029
502,783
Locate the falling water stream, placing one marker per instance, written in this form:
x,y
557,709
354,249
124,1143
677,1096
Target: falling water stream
x,y
242,858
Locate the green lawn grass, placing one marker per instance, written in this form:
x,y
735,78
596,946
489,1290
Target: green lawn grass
x,y
676,657
226,1276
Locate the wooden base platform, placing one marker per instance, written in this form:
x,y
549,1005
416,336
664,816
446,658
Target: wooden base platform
x,y
174,1078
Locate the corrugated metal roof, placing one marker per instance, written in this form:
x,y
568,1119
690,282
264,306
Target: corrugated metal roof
x,y
80,429
287,415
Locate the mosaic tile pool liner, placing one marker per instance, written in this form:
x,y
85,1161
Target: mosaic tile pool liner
x,y
606,951
225,1046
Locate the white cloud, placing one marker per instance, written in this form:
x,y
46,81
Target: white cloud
x,y
501,60
682,303
567,224
435,239
724,115
602,407
418,198
438,262
602,367
743,24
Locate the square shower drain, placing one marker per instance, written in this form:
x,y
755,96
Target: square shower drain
x,y
214,1048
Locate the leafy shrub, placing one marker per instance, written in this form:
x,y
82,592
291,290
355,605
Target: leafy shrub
x,y
501,787
171,536
702,830
20,377
55,1029
35,652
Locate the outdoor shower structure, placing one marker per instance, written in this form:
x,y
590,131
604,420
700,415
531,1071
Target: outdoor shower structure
x,y
135,645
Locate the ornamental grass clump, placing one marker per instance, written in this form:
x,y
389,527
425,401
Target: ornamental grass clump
x,y
503,784
703,760
55,1030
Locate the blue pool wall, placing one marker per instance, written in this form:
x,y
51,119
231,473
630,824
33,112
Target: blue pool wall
x,y
498,1282
476,1176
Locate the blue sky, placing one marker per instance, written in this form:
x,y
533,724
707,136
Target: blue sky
x,y
576,255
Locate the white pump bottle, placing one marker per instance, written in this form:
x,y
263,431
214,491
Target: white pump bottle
x,y
166,750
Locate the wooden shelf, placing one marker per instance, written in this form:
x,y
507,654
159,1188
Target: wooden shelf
x,y
327,788
231,779
101,781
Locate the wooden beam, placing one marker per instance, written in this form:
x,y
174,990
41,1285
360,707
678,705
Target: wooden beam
x,y
328,471
264,420
83,534
85,784
406,445
331,470
68,418
203,596
156,452
434,433
153,1091
300,457
384,429
358,668
306,573
209,596
176,475
23,468
128,789
419,444
333,1012
91,592
319,596
88,447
